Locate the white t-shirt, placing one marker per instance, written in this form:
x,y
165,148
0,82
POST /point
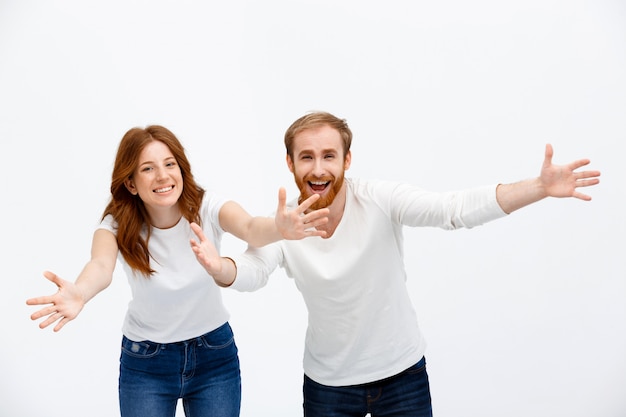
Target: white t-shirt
x,y
362,326
181,300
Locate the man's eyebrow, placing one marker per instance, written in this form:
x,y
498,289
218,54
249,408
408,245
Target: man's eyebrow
x,y
324,151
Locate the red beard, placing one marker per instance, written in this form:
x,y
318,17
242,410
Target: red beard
x,y
325,200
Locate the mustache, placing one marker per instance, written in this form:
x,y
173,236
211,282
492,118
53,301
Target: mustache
x,y
313,178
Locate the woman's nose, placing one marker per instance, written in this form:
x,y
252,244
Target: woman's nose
x,y
160,173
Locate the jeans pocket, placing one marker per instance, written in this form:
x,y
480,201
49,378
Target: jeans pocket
x,y
220,338
143,349
417,368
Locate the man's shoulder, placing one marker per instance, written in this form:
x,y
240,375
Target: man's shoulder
x,y
369,183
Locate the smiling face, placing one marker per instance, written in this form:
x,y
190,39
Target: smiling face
x,y
319,164
158,181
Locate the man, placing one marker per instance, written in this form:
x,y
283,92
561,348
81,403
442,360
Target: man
x,y
364,352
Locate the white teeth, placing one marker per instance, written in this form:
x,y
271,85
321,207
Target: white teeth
x,y
318,182
163,190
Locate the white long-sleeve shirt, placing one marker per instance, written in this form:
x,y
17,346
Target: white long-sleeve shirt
x,y
362,326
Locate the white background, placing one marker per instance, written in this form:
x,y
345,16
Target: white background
x,y
524,316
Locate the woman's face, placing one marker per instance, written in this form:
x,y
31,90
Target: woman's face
x,y
158,181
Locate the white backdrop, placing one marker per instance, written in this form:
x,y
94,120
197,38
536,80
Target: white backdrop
x,y
524,316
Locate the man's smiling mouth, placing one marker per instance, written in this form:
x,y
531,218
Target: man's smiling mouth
x,y
318,185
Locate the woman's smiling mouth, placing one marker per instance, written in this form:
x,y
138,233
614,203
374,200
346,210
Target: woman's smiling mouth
x,y
164,190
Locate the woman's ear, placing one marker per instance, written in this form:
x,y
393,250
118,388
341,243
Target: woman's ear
x,y
130,186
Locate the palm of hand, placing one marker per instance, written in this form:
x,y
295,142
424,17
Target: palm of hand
x,y
205,251
564,180
558,181
62,306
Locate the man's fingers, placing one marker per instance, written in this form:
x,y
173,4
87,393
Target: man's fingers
x,y
587,183
315,222
308,203
282,199
549,152
582,196
578,164
315,232
317,215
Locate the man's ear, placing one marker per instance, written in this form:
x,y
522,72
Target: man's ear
x,y
289,163
130,186
347,160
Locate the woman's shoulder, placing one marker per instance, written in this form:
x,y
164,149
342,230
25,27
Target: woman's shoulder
x,y
213,200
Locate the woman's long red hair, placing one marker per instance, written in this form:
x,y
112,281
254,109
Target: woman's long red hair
x,y
129,211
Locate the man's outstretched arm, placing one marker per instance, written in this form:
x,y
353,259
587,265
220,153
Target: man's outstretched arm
x,y
553,181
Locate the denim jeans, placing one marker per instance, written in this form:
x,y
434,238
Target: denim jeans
x,y
404,395
203,371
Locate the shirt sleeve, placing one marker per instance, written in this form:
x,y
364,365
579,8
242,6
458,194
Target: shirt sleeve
x,y
255,266
413,206
108,223
212,203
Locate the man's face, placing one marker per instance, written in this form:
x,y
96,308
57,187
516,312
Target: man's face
x,y
318,164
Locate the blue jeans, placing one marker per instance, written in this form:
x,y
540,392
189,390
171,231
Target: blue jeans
x,y
404,395
203,371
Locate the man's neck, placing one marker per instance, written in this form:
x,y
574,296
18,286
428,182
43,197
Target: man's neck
x,y
337,208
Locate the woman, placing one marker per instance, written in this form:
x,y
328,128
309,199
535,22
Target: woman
x,y
176,342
